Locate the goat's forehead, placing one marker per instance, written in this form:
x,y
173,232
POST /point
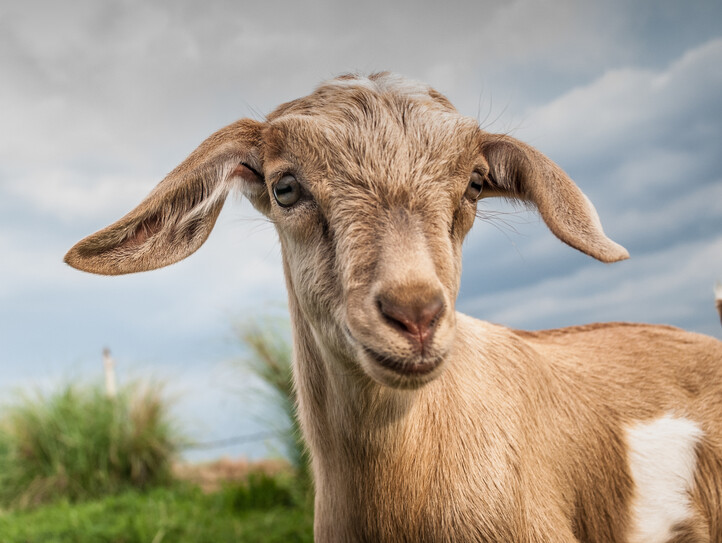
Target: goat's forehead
x,y
381,139
381,122
376,106
379,157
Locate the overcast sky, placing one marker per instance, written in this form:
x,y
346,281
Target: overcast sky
x,y
99,100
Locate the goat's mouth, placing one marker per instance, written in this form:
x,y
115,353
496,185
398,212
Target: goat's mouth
x,y
398,372
411,368
398,365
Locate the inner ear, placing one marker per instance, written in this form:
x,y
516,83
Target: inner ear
x,y
144,231
247,173
253,185
507,166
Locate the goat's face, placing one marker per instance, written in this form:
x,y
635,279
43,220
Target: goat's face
x,y
372,195
372,185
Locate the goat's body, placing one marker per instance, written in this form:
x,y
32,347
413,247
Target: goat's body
x,y
423,424
522,438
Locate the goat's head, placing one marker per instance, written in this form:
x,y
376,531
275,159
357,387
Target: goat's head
x,y
372,184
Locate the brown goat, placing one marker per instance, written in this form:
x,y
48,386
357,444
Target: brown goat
x,y
426,425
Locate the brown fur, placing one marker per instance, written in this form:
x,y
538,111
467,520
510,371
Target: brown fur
x,y
512,436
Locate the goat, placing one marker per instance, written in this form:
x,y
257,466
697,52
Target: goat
x,y
425,424
718,298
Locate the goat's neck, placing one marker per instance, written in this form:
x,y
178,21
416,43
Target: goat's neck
x,y
339,406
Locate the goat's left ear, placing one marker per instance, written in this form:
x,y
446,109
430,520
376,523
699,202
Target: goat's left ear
x,y
178,215
517,170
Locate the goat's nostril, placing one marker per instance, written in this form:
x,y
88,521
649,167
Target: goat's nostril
x,y
417,319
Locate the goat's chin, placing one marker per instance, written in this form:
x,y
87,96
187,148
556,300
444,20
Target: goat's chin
x,y
400,373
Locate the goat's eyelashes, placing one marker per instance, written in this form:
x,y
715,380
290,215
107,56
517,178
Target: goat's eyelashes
x,y
287,191
473,189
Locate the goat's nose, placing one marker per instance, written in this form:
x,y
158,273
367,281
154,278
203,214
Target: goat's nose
x,y
415,318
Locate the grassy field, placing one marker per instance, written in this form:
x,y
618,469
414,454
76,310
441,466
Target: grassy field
x,y
78,465
75,443
265,510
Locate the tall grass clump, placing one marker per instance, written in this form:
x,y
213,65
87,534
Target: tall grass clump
x,y
78,444
267,341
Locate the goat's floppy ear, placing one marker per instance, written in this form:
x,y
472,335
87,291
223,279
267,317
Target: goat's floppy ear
x,y
517,170
176,217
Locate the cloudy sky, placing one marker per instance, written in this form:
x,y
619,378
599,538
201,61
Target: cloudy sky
x,y
99,100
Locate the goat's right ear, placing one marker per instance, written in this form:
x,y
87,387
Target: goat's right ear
x,y
178,215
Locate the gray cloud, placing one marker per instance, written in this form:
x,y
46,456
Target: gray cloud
x,y
672,285
641,143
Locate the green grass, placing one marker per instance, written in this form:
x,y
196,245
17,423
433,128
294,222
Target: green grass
x,y
77,444
259,511
76,466
267,340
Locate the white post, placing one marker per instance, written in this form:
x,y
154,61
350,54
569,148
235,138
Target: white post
x,y
109,365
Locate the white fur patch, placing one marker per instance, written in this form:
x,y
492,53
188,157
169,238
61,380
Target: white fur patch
x,y
403,85
364,82
662,460
593,215
718,290
387,83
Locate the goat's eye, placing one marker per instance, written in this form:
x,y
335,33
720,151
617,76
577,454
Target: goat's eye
x,y
287,191
473,190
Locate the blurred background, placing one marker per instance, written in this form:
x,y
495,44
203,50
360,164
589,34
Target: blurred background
x,y
99,100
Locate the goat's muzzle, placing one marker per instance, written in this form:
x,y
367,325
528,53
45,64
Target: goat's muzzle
x,y
415,319
402,335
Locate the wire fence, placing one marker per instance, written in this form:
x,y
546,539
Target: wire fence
x,y
229,441
110,386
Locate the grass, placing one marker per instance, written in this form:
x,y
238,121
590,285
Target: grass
x,y
77,444
78,467
261,510
267,341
